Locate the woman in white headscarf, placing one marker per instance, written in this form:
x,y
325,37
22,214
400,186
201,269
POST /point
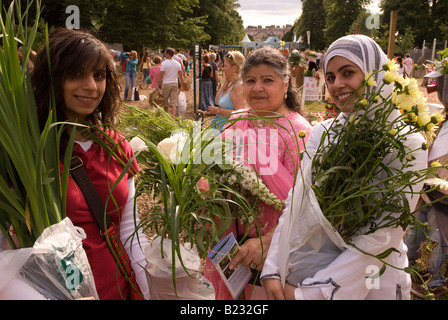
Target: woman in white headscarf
x,y
339,270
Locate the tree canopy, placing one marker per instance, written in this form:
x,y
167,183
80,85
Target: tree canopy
x,y
418,20
152,23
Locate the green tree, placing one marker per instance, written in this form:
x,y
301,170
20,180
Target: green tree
x,y
152,23
223,22
413,15
340,15
313,20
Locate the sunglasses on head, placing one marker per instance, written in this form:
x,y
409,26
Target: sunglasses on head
x,y
229,56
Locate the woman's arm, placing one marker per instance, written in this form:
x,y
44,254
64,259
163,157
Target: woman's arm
x,y
134,247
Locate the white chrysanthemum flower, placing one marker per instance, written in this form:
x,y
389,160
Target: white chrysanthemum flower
x,y
441,183
402,101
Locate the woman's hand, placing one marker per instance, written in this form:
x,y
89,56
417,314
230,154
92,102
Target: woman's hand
x,y
252,254
273,288
289,292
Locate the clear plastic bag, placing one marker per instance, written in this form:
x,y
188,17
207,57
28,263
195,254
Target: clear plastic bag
x,y
56,266
189,286
182,105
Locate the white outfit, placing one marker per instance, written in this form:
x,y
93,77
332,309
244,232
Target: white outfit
x,y
171,68
343,275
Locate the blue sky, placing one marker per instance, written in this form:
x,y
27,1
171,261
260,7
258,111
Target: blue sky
x,y
269,12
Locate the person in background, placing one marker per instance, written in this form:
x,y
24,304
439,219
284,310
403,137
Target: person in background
x,y
86,90
207,83
131,71
401,69
145,66
171,81
409,64
155,72
230,95
215,78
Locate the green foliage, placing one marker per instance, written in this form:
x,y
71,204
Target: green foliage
x,y
223,22
32,186
412,15
312,19
340,15
182,212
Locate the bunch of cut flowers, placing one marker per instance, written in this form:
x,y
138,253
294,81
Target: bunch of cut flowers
x,y
197,191
363,174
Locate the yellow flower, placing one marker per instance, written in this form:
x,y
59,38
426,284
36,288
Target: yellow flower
x,y
389,77
393,132
302,134
423,120
369,80
411,117
402,101
435,164
410,87
437,117
363,102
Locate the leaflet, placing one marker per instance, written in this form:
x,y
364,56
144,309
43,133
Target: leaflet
x,y
221,255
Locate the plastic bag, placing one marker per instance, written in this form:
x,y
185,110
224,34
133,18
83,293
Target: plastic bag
x,y
56,266
156,99
191,286
308,242
182,105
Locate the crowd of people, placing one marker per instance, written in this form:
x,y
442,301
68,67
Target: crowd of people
x,y
258,90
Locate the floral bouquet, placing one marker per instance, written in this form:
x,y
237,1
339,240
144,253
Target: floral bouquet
x,y
196,189
361,178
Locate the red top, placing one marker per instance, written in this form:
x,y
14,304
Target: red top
x,y
103,171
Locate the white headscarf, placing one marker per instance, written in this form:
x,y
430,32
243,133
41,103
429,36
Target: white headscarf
x,y
367,55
